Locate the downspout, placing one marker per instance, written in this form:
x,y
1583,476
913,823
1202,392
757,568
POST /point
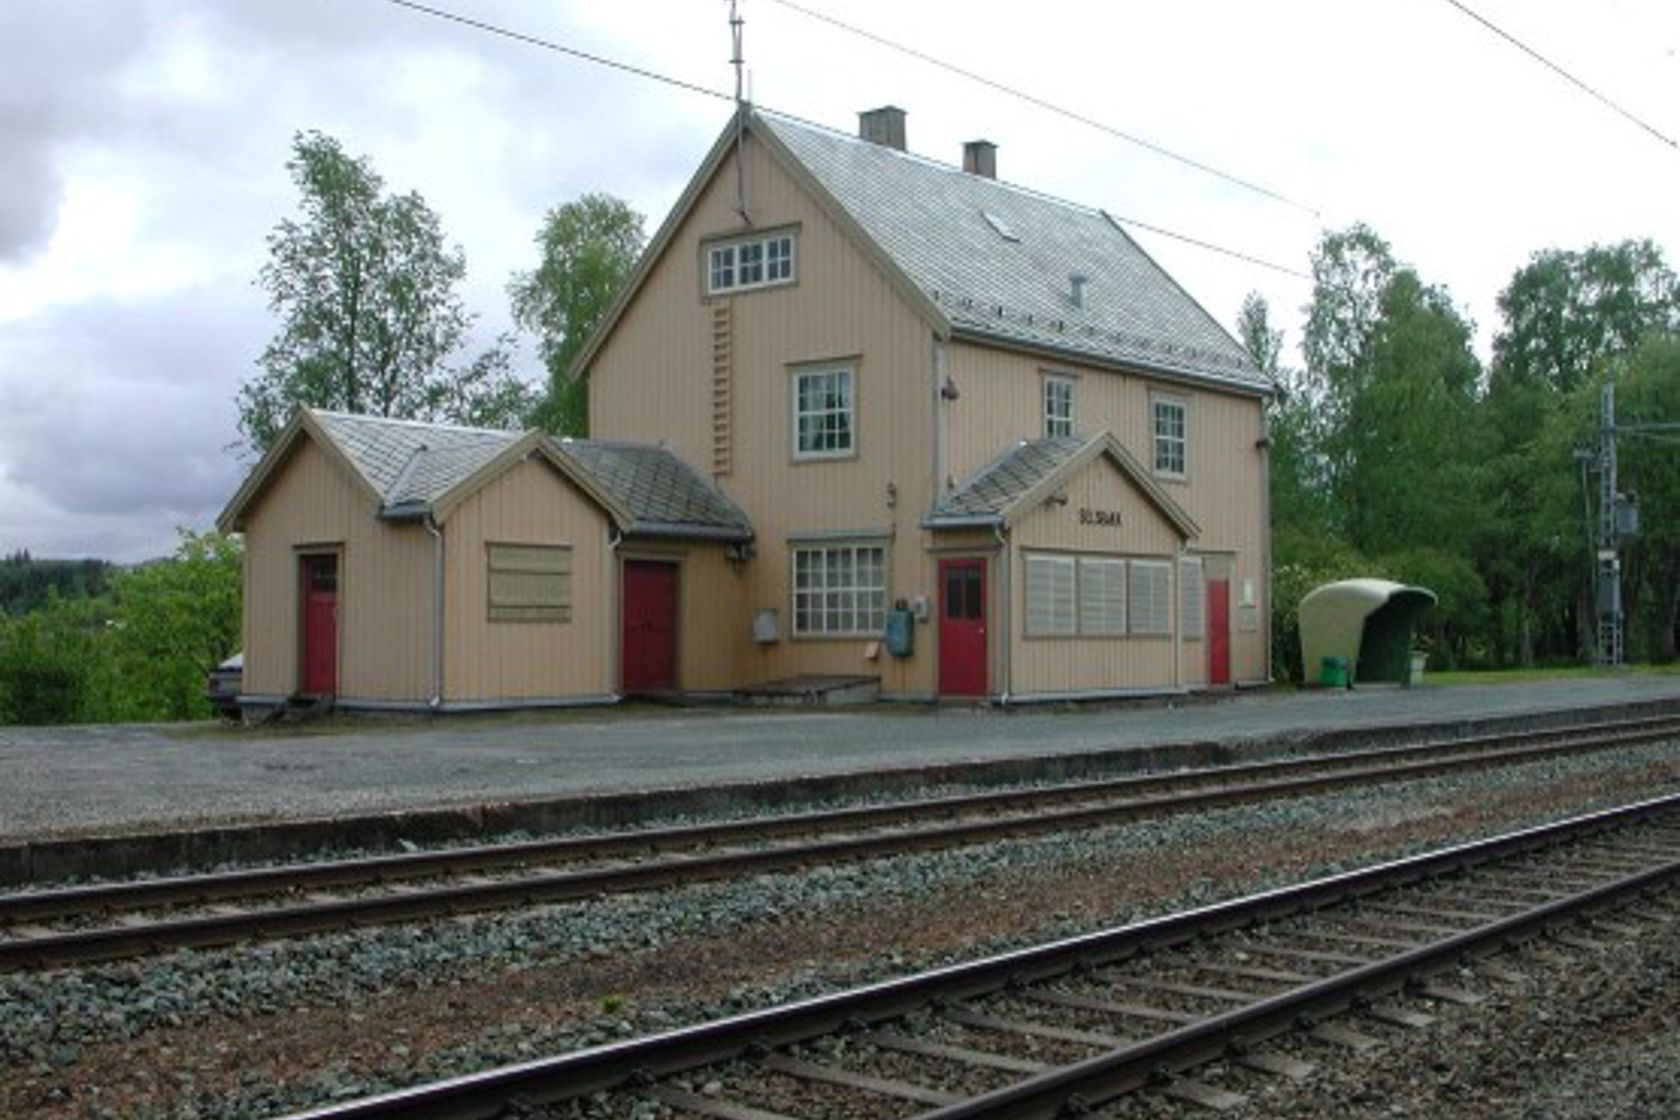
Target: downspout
x,y
615,640
1266,536
436,701
1006,618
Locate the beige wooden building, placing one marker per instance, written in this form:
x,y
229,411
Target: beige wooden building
x,y
910,425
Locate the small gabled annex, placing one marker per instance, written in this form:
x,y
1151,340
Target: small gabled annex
x,y
396,564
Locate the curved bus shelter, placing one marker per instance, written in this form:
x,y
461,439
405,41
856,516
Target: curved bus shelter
x,y
1367,623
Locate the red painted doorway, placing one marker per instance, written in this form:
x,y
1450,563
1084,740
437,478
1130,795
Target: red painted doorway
x,y
650,626
962,627
318,575
1219,631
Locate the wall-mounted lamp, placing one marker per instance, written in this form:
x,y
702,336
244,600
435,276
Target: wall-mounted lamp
x,y
948,389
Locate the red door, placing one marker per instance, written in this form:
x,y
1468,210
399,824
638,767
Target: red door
x,y
1219,631
319,575
650,626
962,627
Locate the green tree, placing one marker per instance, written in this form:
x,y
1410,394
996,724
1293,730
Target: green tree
x,y
587,250
364,285
171,621
1298,487
1648,391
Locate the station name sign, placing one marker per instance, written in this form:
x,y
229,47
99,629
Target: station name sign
x,y
1108,517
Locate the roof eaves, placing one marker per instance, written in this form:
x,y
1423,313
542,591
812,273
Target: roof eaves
x,y
1179,374
962,521
680,531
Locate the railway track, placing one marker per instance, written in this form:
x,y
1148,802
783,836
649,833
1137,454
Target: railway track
x,y
47,928
1064,1028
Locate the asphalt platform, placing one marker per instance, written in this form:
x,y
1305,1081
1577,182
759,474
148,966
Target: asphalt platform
x,y
82,782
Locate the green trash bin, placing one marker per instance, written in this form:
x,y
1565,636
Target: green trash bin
x,y
1333,672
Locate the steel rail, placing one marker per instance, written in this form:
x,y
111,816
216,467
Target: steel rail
x,y
37,905
637,1061
38,950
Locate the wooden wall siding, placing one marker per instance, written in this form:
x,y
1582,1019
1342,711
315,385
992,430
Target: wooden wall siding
x,y
1090,664
385,579
713,623
529,504
653,381
1224,490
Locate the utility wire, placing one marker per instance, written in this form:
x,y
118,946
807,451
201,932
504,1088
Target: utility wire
x,y
559,48
1050,106
653,75
1562,73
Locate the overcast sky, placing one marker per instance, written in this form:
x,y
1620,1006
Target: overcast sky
x,y
143,143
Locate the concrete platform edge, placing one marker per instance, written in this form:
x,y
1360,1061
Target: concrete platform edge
x,y
33,861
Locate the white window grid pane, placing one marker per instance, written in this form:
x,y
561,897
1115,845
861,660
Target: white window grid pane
x,y
823,417
840,590
778,259
1169,437
750,261
723,268
1058,407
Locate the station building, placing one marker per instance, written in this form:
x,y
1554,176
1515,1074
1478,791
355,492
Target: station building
x,y
859,416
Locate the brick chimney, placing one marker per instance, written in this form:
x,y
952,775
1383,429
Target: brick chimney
x,y
883,126
980,158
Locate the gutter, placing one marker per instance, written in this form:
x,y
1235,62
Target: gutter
x,y
1177,374
436,702
968,521
680,531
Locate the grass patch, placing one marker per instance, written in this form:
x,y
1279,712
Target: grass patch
x,y
1549,673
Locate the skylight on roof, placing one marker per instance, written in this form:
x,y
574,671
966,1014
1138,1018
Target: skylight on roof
x,y
1003,228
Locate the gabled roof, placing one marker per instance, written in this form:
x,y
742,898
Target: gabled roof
x,y
983,259
1023,477
412,469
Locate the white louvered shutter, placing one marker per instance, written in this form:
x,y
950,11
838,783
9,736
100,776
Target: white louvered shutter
x,y
1193,597
1050,595
1149,595
1102,596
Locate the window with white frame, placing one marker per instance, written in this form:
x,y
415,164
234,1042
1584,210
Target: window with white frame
x,y
1192,598
823,425
1051,596
753,262
1058,406
839,590
1102,596
1149,597
1170,418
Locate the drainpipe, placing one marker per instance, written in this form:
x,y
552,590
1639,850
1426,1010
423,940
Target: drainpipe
x,y
436,701
1008,621
615,641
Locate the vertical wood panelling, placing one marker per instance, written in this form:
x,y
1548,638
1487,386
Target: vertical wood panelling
x,y
654,381
1224,487
384,585
529,504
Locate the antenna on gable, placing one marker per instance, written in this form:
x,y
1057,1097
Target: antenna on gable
x,y
736,60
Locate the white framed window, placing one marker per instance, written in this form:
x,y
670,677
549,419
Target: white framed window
x,y
751,262
1051,596
839,590
1170,416
529,582
823,415
1149,597
1058,405
1102,596
1192,598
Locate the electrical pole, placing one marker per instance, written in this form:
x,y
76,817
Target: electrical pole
x,y
1607,589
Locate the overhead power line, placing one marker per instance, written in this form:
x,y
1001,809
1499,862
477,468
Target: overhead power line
x,y
1564,74
692,87
1050,106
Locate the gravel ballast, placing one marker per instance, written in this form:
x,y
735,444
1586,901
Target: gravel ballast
x,y
270,1028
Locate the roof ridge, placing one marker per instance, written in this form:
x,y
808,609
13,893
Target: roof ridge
x,y
400,421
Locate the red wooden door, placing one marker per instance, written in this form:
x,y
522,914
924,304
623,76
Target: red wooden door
x,y
319,575
962,627
650,626
1219,631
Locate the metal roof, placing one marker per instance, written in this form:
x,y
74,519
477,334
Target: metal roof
x,y
999,484
411,465
999,260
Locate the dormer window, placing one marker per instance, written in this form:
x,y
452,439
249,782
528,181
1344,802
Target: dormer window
x,y
760,261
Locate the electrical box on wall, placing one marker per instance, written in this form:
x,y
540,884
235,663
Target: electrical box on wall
x,y
919,607
765,630
901,632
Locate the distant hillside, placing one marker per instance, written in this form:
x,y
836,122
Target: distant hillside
x,y
25,581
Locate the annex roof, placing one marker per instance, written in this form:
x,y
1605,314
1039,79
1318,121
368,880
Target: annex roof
x,y
1025,475
1000,261
412,468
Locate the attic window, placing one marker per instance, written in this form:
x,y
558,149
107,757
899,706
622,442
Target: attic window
x,y
760,261
1004,230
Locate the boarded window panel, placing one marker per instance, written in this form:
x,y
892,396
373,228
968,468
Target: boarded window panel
x,y
1193,598
1050,596
530,583
1149,596
1102,596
